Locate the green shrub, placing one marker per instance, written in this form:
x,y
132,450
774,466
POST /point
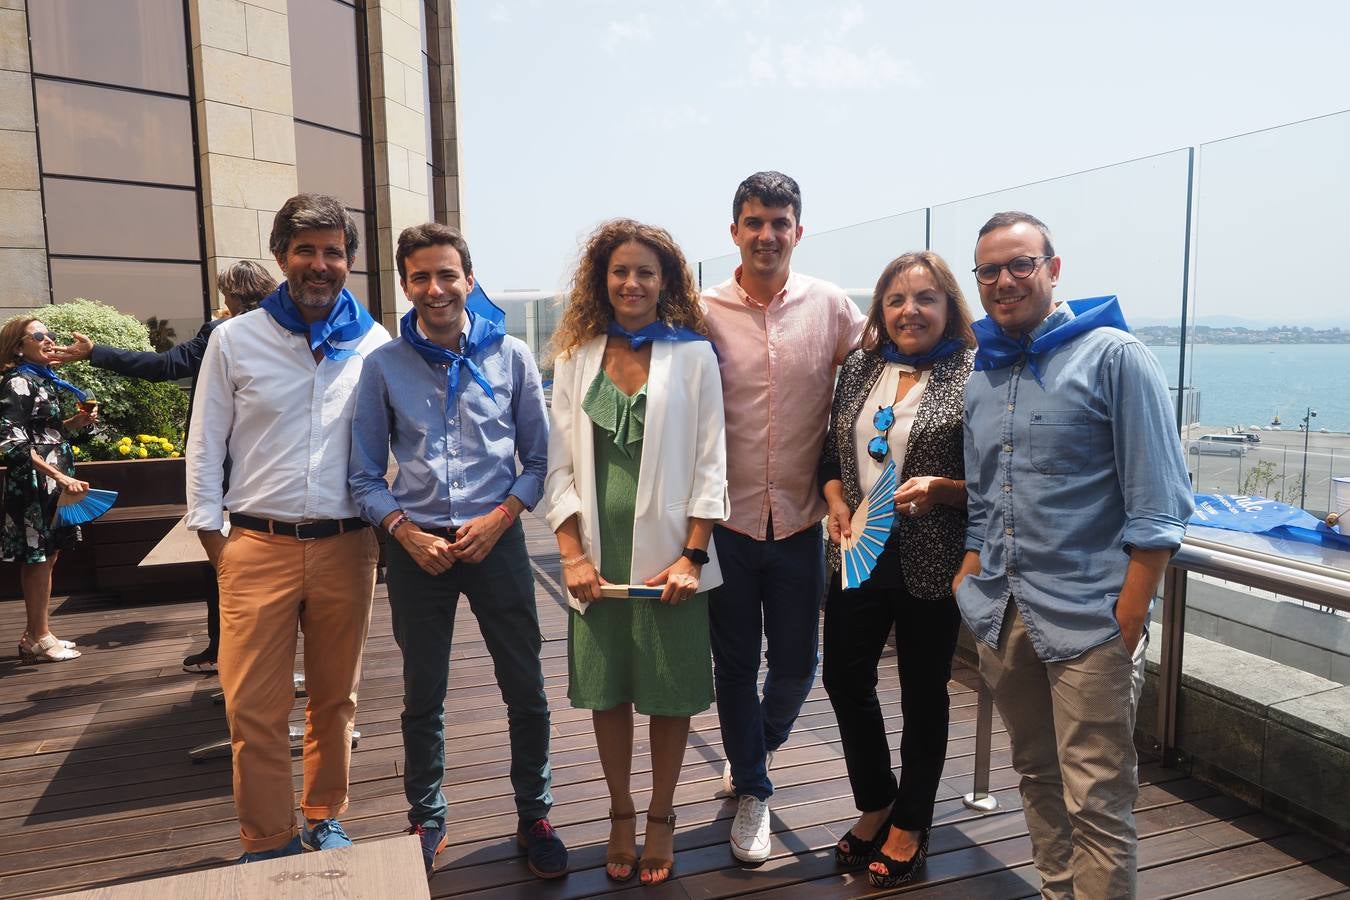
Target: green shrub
x,y
126,405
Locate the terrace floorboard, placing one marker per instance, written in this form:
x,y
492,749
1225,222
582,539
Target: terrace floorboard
x,y
96,787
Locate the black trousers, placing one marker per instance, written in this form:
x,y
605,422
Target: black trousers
x,y
856,625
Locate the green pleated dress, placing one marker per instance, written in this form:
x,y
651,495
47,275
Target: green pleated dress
x,y
649,653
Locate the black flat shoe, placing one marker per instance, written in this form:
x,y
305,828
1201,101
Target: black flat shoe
x,y
898,872
860,852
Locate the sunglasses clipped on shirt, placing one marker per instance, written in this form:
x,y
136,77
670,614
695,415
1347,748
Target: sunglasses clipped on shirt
x,y
882,420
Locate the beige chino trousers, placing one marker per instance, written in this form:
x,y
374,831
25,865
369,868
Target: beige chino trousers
x,y
269,586
1071,726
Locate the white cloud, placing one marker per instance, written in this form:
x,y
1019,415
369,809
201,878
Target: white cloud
x,y
636,30
850,17
828,66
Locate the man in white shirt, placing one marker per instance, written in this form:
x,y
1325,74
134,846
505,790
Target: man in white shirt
x,y
275,396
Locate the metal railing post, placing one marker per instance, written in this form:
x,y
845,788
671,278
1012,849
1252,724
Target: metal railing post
x,y
980,799
1169,663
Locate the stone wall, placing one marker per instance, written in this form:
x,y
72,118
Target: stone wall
x,y
23,254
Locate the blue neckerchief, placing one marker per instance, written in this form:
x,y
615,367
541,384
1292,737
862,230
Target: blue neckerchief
x,y
47,373
945,348
997,350
483,335
656,331
346,321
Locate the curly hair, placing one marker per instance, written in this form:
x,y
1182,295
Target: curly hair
x,y
588,311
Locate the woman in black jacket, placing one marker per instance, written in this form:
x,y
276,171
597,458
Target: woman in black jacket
x,y
899,400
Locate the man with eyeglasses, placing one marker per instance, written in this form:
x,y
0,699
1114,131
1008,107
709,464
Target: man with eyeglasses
x,y
1078,496
780,336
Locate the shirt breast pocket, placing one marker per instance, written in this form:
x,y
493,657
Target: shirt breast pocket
x,y
1061,441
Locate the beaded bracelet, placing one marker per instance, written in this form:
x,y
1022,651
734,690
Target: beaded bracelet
x,y
394,525
568,563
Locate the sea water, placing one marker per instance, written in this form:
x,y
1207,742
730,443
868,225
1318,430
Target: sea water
x,y
1251,384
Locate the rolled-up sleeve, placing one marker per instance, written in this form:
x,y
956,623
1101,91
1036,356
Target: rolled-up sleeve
x,y
708,497
561,498
532,442
209,438
372,423
1150,464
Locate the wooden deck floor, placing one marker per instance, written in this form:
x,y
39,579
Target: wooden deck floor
x,y
96,786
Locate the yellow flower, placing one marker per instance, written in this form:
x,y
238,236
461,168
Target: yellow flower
x,y
141,452
124,449
75,450
175,454
142,438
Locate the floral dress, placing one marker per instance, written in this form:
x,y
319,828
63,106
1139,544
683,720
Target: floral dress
x,y
30,419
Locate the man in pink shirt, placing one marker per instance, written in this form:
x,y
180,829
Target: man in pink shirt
x,y
779,337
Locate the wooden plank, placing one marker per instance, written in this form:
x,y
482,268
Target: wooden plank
x,y
376,870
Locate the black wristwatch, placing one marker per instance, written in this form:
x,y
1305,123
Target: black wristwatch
x,y
696,556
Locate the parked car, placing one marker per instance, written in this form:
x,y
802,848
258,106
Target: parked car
x,y
1220,445
1250,437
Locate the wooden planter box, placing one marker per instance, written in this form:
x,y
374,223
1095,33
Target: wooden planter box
x,y
152,496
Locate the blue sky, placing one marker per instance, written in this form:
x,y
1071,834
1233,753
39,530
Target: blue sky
x,y
575,112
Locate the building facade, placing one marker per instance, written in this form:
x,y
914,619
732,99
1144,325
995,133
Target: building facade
x,y
145,145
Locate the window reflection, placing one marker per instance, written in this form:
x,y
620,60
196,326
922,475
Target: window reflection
x,y
324,79
135,43
172,291
99,219
109,133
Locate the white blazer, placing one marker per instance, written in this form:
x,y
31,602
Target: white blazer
x,y
683,473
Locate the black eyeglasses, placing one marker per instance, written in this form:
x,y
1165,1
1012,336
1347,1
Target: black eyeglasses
x,y
1018,267
879,446
41,336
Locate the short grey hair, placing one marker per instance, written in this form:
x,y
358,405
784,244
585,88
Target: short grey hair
x,y
1013,217
310,212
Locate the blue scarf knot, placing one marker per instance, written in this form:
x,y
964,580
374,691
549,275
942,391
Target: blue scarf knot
x,y
998,350
945,348
47,373
346,321
482,336
656,331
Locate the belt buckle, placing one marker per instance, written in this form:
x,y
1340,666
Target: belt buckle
x,y
300,525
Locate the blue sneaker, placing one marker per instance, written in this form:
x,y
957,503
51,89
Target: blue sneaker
x,y
290,849
327,835
434,839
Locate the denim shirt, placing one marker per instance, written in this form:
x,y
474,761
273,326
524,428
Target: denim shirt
x,y
456,463
1063,478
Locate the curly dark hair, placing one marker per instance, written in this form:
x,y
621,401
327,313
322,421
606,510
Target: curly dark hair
x,y
588,311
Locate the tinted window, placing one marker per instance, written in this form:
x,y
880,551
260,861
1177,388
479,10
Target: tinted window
x,y
172,291
324,81
330,163
99,219
109,133
136,43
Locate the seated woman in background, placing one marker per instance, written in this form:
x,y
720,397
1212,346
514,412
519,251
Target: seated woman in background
x,y
636,479
36,450
900,398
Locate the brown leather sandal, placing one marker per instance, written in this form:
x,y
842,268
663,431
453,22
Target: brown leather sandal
x,y
615,858
658,865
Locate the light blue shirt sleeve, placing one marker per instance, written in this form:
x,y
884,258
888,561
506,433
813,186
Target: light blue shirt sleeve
x,y
371,428
531,430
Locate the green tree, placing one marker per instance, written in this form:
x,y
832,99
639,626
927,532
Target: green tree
x,y
162,334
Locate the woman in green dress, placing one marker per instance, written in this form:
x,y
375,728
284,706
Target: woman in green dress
x,y
35,449
636,479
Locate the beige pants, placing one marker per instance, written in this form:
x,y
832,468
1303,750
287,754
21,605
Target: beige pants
x,y
269,585
1071,725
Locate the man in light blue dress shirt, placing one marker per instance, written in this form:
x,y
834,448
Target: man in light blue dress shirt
x,y
458,401
1079,495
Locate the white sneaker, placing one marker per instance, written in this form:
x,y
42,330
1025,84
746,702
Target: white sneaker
x,y
726,790
750,830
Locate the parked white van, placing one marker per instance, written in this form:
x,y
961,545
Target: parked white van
x,y
1220,445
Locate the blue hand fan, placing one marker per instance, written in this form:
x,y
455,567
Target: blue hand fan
x,y
871,526
76,509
